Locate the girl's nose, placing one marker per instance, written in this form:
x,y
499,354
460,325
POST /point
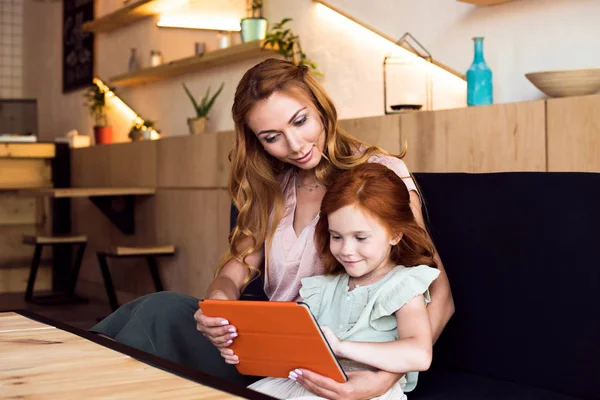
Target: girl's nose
x,y
347,248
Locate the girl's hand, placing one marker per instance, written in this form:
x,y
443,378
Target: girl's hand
x,y
332,339
359,386
216,329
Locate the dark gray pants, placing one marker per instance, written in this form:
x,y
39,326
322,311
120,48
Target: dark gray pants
x,y
163,324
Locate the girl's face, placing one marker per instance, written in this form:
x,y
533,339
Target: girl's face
x,y
359,242
289,129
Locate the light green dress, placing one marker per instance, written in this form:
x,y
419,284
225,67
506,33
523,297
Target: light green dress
x,y
364,314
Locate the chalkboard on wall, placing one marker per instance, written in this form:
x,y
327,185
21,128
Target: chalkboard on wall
x,y
78,45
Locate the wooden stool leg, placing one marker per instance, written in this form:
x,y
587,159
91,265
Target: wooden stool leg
x,y
35,263
108,284
76,268
154,272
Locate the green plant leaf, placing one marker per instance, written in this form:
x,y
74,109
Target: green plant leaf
x,y
187,91
213,98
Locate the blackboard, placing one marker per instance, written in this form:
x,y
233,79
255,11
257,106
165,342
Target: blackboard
x,y
78,46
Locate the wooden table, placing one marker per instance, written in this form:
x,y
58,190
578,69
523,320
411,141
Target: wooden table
x,y
116,203
45,359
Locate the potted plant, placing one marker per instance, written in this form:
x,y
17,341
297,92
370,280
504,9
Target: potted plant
x,y
141,130
285,42
198,125
254,27
95,97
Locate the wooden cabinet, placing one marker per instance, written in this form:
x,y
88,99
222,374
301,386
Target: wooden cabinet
x,y
574,134
22,165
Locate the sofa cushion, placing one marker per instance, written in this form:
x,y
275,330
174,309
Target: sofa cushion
x,y
448,385
521,253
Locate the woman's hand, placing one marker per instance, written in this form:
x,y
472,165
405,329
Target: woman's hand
x,y
332,339
219,332
361,385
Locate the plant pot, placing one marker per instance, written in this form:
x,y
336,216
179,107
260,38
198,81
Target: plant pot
x,y
103,134
147,134
135,135
140,134
253,29
197,125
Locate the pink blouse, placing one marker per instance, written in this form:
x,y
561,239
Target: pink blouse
x,y
294,257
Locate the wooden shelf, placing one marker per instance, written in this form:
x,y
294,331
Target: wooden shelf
x,y
486,2
211,59
129,14
87,192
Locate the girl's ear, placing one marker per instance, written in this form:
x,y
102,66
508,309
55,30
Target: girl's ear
x,y
396,239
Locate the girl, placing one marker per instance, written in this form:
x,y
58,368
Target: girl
x,y
371,302
288,149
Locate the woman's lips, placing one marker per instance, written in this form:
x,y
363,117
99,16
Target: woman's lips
x,y
305,158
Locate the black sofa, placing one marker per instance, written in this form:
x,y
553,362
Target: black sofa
x,y
520,250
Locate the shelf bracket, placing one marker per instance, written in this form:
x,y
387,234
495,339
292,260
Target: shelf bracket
x,y
119,210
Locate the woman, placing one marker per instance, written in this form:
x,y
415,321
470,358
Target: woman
x,y
288,148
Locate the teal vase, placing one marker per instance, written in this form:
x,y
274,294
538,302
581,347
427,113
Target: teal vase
x,y
480,89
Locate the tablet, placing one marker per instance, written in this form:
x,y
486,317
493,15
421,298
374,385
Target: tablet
x,y
275,337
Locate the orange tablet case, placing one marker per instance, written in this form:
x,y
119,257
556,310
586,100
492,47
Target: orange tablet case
x,y
276,337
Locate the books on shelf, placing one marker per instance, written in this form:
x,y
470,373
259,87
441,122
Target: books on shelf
x,y
16,138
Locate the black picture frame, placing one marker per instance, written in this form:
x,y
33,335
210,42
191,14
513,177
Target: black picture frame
x,y
78,56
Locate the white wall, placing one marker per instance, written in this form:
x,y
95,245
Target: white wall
x,y
520,37
527,35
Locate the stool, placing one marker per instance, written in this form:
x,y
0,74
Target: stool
x,y
39,242
149,252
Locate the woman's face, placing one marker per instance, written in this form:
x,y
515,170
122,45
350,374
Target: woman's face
x,y
289,129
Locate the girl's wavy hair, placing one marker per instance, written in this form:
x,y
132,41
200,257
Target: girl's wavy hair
x,y
253,183
378,191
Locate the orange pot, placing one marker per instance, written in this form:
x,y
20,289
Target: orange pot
x,y
103,134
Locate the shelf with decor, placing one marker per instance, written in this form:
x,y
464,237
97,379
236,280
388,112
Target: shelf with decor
x,y
182,66
486,2
128,14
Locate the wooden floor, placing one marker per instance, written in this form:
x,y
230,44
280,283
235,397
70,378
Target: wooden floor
x,y
84,315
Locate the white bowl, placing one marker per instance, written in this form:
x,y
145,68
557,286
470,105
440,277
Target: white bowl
x,y
575,82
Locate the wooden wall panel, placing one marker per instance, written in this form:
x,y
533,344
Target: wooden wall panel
x,y
90,166
14,280
18,210
188,219
502,137
25,173
88,220
198,161
574,134
27,150
20,216
383,131
133,164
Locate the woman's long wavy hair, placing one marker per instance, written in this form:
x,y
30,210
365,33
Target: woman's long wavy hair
x,y
378,191
253,182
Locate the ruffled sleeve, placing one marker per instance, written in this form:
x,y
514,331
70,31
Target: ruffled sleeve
x,y
400,289
312,292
